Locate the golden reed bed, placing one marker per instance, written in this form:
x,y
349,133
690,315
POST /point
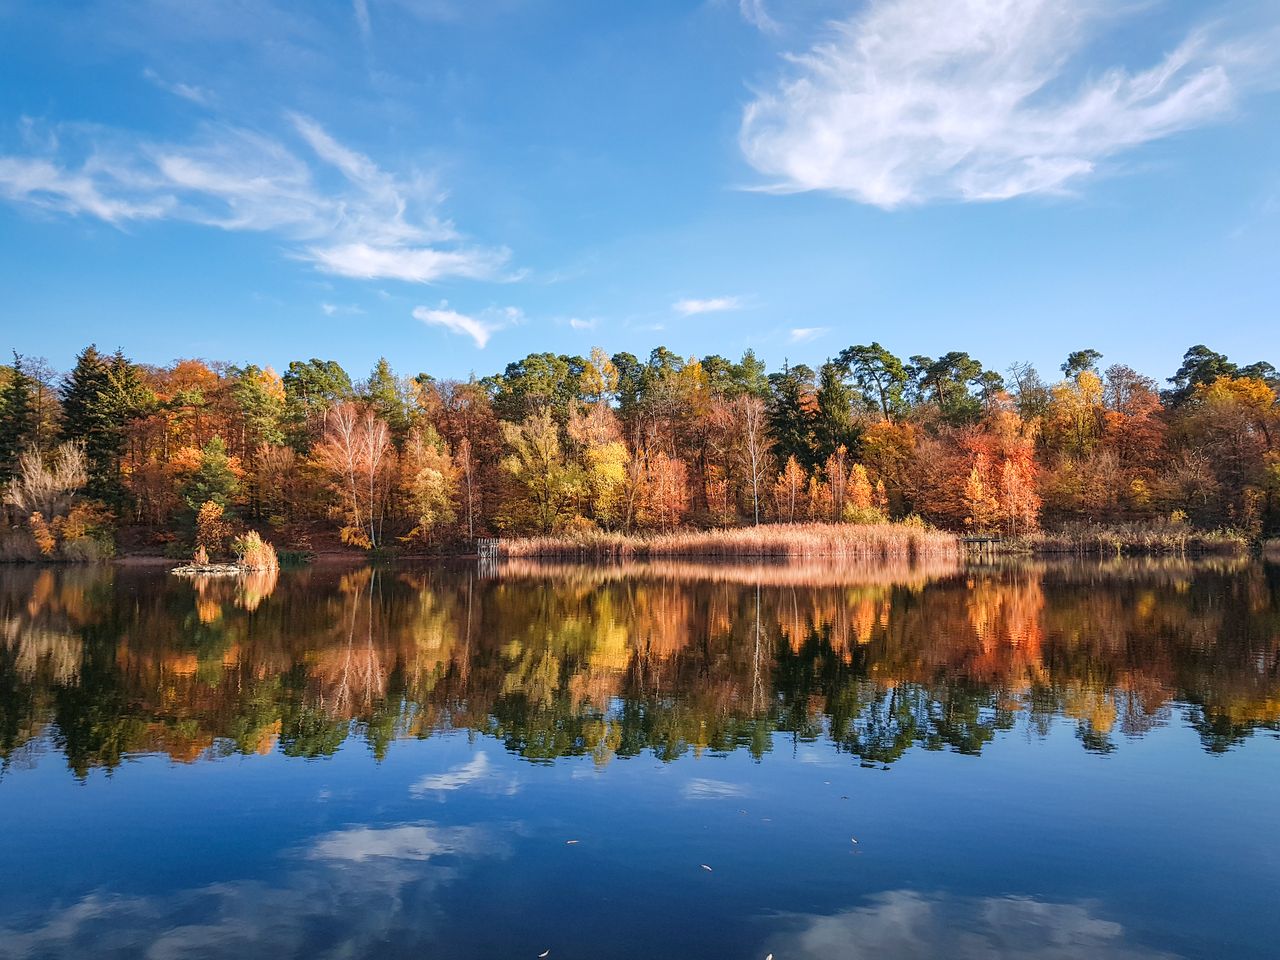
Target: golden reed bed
x,y
872,542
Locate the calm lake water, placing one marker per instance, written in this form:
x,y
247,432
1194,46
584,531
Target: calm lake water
x,y
1030,760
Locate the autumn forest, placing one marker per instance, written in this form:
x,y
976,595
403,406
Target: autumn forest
x,y
118,456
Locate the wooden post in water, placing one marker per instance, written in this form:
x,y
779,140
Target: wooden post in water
x,y
487,556
981,545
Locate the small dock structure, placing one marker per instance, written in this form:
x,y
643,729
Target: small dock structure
x,y
486,548
982,543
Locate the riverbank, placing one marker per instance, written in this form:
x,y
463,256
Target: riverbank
x,y
889,541
1145,539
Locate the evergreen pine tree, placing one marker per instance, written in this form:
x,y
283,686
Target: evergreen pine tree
x,y
386,397
214,480
99,397
17,418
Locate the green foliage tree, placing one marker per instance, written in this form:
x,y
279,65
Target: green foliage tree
x,y
100,396
1200,365
259,395
214,480
18,418
833,423
546,482
880,376
389,400
792,414
1078,361
950,382
310,389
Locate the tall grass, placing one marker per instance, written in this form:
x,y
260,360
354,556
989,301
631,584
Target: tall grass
x,y
873,542
254,553
1150,538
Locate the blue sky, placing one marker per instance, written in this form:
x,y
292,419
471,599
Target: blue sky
x,y
455,184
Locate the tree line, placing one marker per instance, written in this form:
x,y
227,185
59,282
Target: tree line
x,y
566,444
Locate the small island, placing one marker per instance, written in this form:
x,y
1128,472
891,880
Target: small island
x,y
252,555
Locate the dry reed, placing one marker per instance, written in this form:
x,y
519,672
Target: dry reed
x,y
867,542
1141,538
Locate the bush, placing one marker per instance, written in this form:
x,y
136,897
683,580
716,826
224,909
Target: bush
x,y
211,528
254,553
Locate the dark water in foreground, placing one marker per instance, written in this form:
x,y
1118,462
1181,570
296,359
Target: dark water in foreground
x,y
1035,761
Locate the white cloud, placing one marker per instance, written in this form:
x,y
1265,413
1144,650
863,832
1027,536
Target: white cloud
x,y
577,323
917,100
419,265
754,12
42,183
691,307
479,329
335,207
360,8
184,90
334,309
805,334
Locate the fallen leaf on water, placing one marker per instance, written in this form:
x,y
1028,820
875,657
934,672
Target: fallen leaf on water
x,y
543,954
853,839
571,841
769,957
706,868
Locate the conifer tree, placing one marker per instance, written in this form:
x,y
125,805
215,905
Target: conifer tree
x,y
17,418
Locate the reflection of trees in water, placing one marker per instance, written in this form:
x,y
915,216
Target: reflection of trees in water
x,y
608,661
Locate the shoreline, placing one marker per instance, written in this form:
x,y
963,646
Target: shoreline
x,y
888,542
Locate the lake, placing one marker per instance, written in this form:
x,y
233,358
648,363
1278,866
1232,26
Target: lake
x,y
1041,760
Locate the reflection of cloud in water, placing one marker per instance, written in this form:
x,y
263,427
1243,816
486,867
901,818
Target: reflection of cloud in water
x,y
700,789
903,925
406,842
476,770
361,892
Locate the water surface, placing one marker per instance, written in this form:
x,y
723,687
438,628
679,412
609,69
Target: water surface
x,y
672,760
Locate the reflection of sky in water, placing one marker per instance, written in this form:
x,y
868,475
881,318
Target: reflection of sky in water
x,y
1038,851
352,890
905,925
1040,787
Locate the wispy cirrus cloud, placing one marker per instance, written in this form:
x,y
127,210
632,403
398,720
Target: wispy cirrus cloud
x,y
333,206
186,91
479,328
693,307
754,12
341,309
805,334
916,100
